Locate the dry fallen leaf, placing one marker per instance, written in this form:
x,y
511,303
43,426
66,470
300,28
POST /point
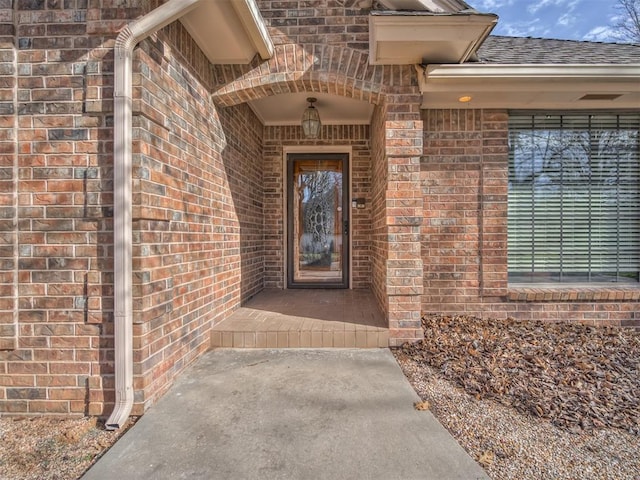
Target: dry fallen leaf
x,y
421,405
487,458
570,374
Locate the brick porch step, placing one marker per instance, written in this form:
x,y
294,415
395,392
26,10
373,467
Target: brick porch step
x,y
304,319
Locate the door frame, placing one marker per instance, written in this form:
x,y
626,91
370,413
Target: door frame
x,y
316,150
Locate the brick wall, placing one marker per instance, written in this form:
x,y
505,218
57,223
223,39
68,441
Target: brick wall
x,y
198,211
276,139
8,183
360,217
450,175
208,195
198,208
379,231
334,22
61,229
464,175
243,164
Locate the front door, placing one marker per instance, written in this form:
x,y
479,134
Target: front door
x,y
318,220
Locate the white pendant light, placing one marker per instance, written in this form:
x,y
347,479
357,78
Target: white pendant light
x,y
311,120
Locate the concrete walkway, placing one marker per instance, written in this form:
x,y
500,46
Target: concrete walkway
x,y
288,414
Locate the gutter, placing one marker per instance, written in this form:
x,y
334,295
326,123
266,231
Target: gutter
x,y
126,41
494,71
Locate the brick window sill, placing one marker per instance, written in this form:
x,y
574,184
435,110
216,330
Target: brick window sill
x,y
573,293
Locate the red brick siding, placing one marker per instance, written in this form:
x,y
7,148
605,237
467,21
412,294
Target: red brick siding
x,y
243,164
108,17
8,185
451,185
197,184
404,214
333,69
331,22
198,215
379,230
361,217
208,191
276,138
63,230
274,221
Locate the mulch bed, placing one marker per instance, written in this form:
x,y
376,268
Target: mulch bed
x,y
578,377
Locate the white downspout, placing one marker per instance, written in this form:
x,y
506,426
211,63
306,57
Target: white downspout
x,y
128,38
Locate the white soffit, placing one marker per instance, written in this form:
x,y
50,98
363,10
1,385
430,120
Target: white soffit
x,y
287,108
229,31
531,86
405,38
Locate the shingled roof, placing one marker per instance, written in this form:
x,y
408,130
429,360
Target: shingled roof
x,y
526,50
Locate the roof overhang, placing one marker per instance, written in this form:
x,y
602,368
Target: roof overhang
x,y
530,86
405,38
229,31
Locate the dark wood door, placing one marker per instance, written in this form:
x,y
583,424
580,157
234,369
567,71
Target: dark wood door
x,y
318,220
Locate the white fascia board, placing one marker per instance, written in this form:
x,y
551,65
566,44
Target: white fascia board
x,y
255,27
527,72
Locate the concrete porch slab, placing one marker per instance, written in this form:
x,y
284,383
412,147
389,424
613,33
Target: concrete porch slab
x,y
289,414
305,318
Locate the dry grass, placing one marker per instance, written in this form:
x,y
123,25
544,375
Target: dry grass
x,y
45,448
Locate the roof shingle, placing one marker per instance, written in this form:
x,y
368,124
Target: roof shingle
x,y
527,50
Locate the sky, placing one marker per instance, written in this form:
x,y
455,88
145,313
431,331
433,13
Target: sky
x,y
590,20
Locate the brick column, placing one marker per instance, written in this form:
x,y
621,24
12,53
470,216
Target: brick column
x,y
403,148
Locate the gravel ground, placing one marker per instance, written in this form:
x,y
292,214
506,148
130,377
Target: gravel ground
x,y
497,425
47,448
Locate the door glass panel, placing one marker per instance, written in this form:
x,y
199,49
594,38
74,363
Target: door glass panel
x,y
317,221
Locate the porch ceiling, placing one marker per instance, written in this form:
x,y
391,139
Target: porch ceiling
x,y
286,109
229,31
531,86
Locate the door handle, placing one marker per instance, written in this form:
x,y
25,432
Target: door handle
x,y
346,227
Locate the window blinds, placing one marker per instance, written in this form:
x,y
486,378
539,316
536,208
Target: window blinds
x,y
574,197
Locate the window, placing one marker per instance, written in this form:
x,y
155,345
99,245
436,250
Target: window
x,y
574,198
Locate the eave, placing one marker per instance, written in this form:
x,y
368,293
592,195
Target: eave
x,y
405,38
229,31
531,86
